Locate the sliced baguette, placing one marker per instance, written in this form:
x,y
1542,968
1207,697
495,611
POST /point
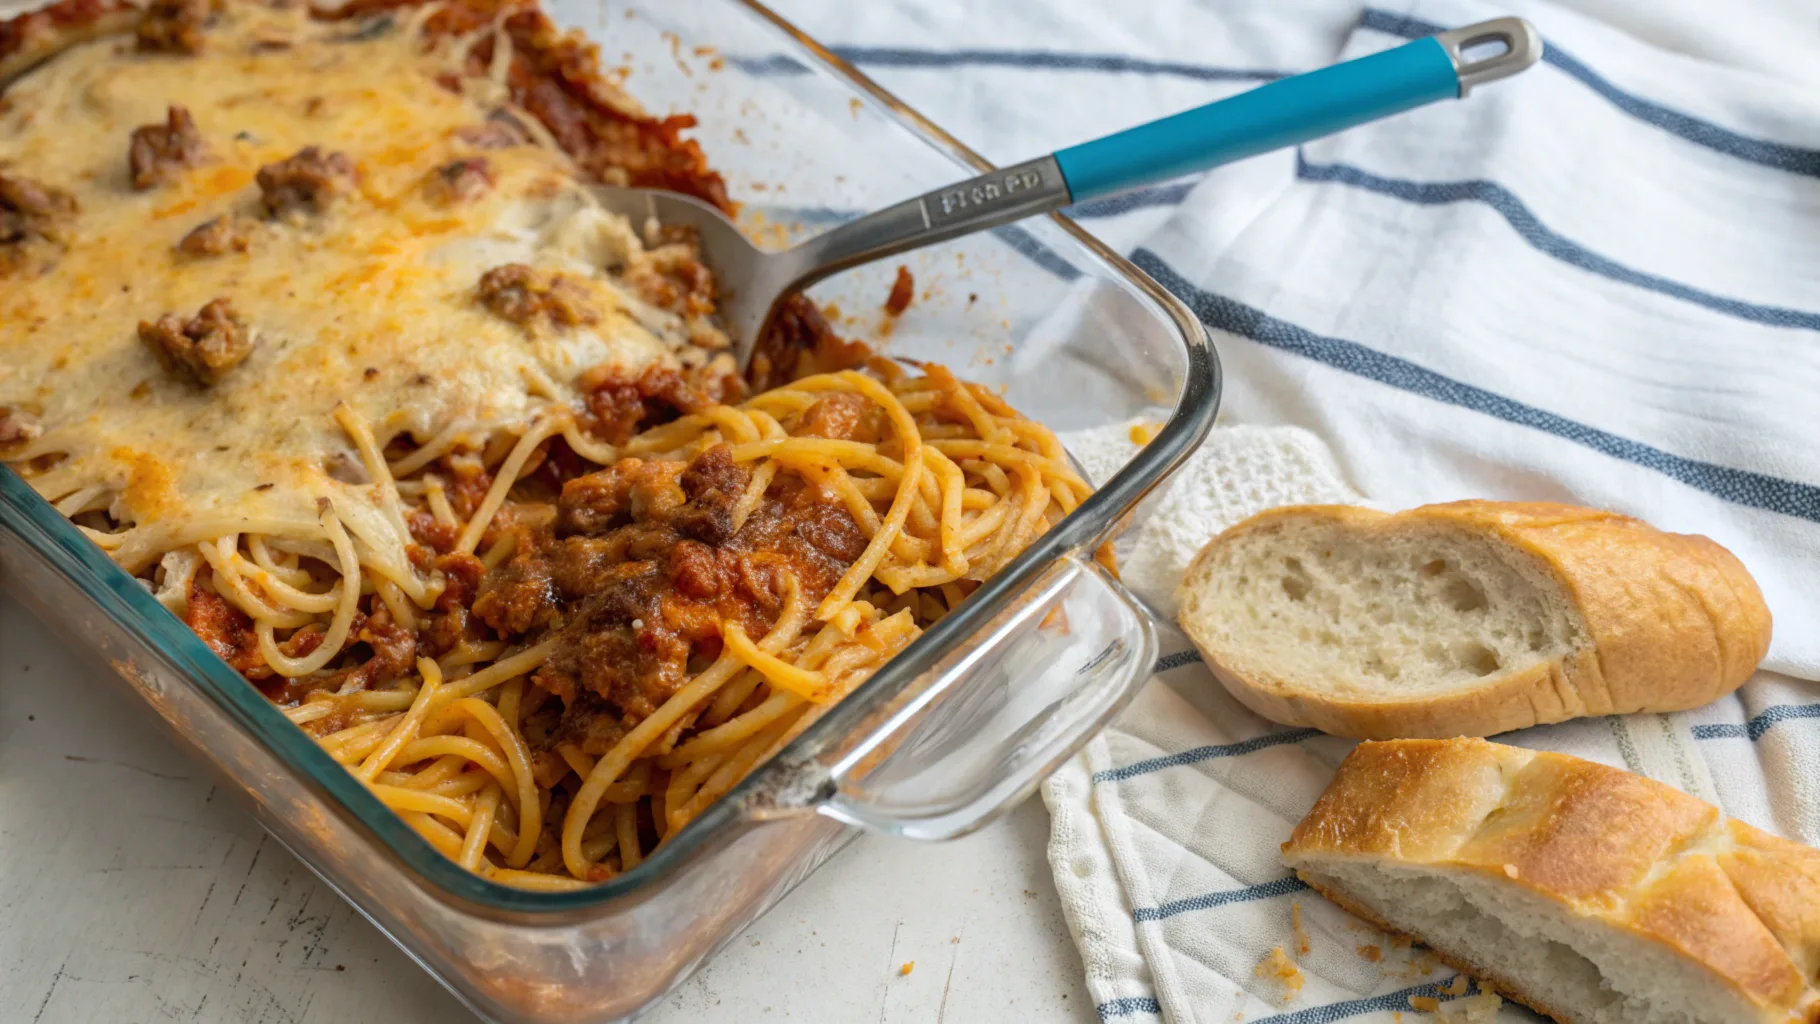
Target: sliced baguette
x,y
1470,618
1585,892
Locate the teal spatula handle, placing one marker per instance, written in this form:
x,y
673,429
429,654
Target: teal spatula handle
x,y
1280,114
1295,110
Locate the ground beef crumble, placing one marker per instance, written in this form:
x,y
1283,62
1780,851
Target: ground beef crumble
x,y
799,342
162,152
394,652
672,276
843,416
527,296
215,237
308,181
460,181
31,213
206,346
640,566
620,404
226,630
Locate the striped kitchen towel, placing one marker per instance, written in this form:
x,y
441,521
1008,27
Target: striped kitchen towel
x,y
1596,283
1164,831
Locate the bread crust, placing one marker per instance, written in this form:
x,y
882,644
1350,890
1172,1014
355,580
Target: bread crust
x,y
1672,621
1614,850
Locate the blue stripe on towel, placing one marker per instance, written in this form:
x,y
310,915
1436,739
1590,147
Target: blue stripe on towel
x,y
1795,159
1112,206
1389,1001
1754,729
1546,241
1037,60
1207,901
1783,157
1127,1006
1176,660
1721,731
1199,754
1739,486
1049,60
1036,252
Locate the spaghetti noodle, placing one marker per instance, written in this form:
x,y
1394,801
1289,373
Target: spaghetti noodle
x,y
547,614
528,750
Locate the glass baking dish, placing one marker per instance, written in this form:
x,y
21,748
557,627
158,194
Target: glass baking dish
x,y
959,726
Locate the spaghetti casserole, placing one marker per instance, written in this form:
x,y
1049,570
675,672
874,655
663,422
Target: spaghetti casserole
x,y
308,319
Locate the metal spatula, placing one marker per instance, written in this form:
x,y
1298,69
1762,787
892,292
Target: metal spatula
x,y
1282,113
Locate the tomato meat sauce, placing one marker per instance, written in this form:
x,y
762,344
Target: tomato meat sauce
x,y
636,569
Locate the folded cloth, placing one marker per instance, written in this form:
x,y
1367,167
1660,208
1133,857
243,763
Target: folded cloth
x,y
1164,831
1594,283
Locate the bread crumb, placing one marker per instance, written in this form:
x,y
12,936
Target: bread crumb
x,y
1427,1004
1143,432
909,965
1279,968
1301,936
1458,986
1510,871
1372,953
1479,1009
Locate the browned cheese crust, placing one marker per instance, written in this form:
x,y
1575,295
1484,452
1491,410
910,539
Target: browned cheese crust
x,y
1616,851
32,38
1674,621
557,77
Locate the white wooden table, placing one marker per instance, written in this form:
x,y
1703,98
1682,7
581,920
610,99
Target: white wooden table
x,y
131,890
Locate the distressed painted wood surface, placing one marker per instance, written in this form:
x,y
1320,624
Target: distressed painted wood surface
x,y
132,890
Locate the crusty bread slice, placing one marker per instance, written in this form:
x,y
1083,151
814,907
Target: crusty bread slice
x,y
1470,618
1588,893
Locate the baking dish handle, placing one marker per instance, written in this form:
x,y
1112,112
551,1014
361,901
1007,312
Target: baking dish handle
x,y
991,719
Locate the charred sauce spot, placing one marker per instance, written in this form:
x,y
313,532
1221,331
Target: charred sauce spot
x,y
903,289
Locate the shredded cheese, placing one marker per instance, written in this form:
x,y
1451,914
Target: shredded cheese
x,y
370,303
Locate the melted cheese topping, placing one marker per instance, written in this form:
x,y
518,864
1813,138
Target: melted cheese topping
x,y
372,303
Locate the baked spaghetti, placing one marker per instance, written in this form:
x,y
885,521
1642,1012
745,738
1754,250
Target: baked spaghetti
x,y
308,319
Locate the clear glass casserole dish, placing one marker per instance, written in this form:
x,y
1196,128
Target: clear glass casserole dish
x,y
956,728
